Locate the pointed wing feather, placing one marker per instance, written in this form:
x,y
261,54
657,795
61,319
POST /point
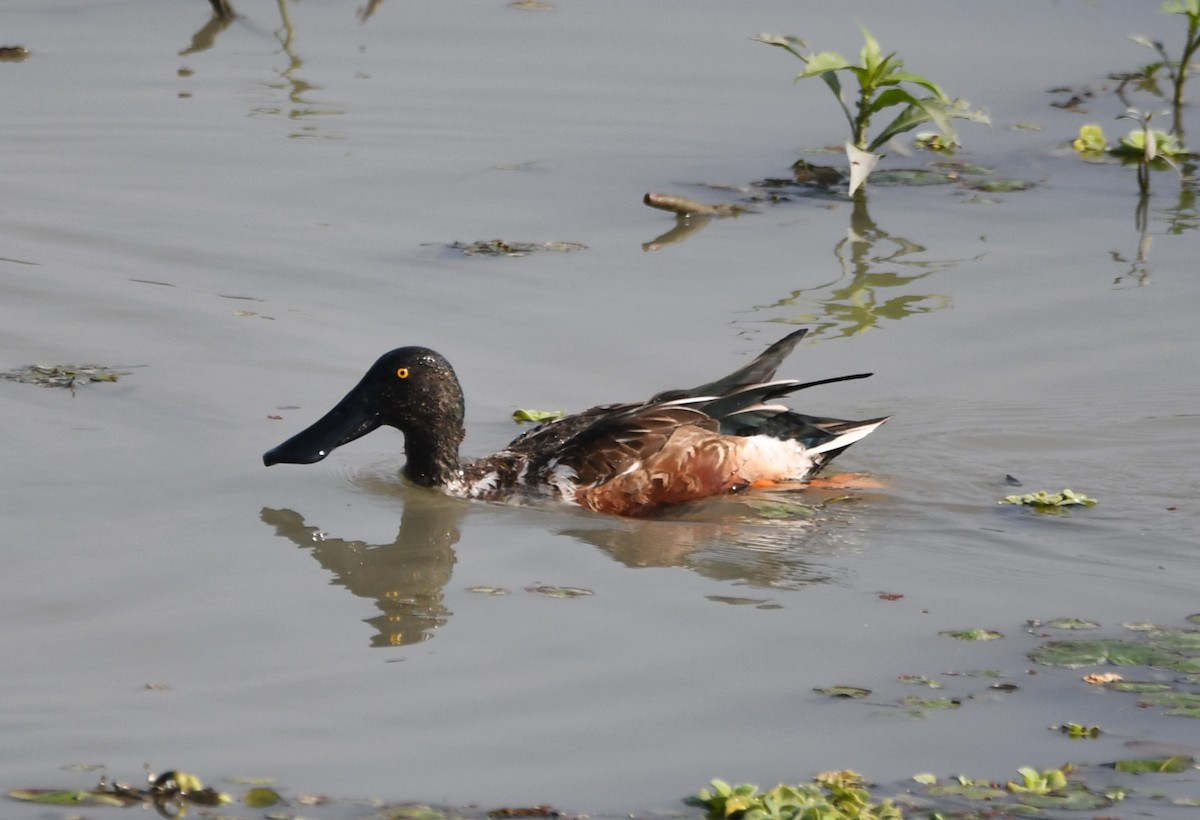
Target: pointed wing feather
x,y
761,370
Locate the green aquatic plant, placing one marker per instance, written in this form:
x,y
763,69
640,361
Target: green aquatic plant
x,y
882,84
835,796
1035,782
1077,731
1177,71
522,415
1044,500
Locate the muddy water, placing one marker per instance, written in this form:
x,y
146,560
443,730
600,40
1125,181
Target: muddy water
x,y
243,220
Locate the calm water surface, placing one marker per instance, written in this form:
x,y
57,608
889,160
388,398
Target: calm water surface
x,y
244,219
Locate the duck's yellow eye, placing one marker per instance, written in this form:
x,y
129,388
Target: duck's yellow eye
x,y
402,373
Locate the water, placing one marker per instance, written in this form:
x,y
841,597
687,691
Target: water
x,y
244,228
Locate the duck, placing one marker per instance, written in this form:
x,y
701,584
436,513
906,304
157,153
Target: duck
x,y
631,459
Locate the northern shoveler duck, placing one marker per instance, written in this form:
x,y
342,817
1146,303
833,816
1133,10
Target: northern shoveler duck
x,y
623,459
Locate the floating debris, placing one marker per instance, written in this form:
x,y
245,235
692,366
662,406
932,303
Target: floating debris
x,y
63,375
690,207
559,592
13,54
843,691
972,634
499,247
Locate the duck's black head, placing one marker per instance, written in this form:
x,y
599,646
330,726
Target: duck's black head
x,y
413,389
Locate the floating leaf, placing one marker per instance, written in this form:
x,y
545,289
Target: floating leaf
x,y
1097,680
972,634
1139,686
559,592
1000,186
1072,623
1090,140
260,797
499,247
931,703
853,692
537,416
921,680
1035,782
1075,654
1076,731
63,375
1155,765
484,590
1044,499
1179,704
66,797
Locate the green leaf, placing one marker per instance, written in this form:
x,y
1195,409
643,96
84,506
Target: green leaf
x,y
261,797
1042,498
972,634
871,54
537,416
65,797
1091,139
852,692
1155,765
823,62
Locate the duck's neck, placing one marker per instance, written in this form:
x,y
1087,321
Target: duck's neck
x,y
431,455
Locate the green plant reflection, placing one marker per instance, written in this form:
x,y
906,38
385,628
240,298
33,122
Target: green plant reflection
x,y
1177,219
298,90
878,281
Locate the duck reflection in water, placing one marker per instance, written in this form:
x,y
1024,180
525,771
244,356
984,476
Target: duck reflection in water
x,y
757,544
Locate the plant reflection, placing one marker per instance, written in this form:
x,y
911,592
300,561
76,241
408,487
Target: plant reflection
x,y
760,542
1181,217
878,271
206,37
296,88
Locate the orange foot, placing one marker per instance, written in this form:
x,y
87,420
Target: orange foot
x,y
837,481
846,481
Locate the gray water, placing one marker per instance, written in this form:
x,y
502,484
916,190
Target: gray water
x,y
244,221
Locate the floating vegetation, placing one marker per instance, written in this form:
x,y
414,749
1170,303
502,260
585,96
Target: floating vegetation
x,y
848,692
1077,732
921,680
559,592
1156,765
691,207
169,789
1177,650
1045,501
63,375
499,247
835,796
536,416
1036,790
972,634
930,703
1000,186
1072,623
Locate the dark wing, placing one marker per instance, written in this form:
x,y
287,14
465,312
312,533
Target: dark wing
x,y
601,443
759,371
